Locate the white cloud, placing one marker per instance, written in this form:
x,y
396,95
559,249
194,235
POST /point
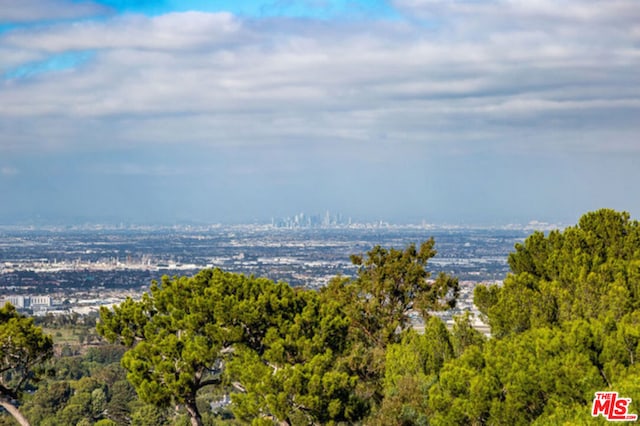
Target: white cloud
x,y
13,11
523,13
11,57
484,74
188,30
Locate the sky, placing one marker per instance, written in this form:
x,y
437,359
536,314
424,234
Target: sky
x,y
477,112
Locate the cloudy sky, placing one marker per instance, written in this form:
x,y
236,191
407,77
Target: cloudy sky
x,y
447,111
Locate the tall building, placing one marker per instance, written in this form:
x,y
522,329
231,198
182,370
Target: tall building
x,y
20,302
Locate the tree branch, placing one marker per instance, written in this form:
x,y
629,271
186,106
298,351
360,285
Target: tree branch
x,y
209,382
6,392
13,410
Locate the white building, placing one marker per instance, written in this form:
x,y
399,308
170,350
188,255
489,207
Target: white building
x,y
23,302
20,302
40,301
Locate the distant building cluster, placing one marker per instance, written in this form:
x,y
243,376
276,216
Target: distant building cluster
x,y
28,302
302,220
84,303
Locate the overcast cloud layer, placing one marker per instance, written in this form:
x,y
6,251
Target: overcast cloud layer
x,y
443,111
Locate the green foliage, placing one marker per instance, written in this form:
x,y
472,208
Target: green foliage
x,y
295,377
463,335
414,365
518,379
565,324
184,326
328,363
390,285
105,354
94,391
294,354
66,367
588,271
392,282
119,406
23,348
150,415
60,403
47,400
105,422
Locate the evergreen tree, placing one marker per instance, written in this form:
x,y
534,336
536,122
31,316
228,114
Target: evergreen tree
x,y
23,349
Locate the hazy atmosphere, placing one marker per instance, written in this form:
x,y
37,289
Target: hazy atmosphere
x,y
465,112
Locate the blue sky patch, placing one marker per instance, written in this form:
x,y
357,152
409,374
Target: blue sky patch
x,y
317,9
59,62
7,27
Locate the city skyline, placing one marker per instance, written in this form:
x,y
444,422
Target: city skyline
x,y
406,111
299,220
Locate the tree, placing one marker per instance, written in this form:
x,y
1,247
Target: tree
x,y
412,366
119,405
181,331
149,415
297,378
591,270
538,375
328,363
292,354
389,286
47,400
23,347
564,325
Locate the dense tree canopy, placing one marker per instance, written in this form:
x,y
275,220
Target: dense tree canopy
x,y
23,348
565,324
590,271
180,331
296,355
